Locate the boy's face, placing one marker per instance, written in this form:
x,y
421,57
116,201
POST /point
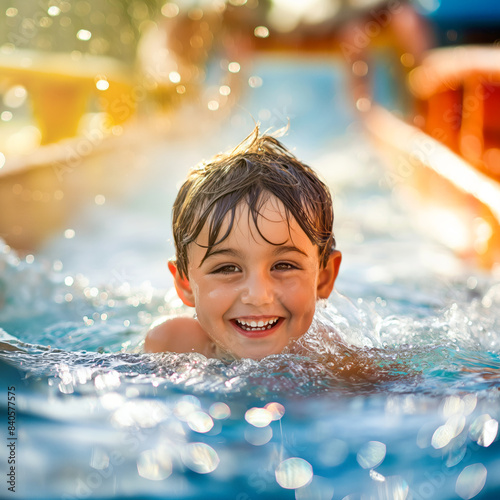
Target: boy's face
x,y
253,297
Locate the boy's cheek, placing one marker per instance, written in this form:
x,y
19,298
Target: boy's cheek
x,y
217,295
296,290
203,292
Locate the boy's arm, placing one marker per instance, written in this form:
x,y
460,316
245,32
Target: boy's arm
x,y
178,334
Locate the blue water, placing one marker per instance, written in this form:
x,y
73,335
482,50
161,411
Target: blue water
x,y
401,402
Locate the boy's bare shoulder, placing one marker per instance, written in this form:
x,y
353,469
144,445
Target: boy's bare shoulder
x,y
177,334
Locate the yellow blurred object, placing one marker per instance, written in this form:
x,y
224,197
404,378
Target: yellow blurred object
x,y
73,151
42,190
63,87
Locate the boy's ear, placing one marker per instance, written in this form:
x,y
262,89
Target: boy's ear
x,y
182,286
328,275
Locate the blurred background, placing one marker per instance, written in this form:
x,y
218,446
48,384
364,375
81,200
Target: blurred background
x,y
105,104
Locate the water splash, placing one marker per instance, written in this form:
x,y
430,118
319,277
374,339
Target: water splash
x,y
351,348
363,367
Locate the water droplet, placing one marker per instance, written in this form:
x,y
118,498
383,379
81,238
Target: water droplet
x,y
277,410
53,11
360,68
15,96
471,282
170,10
107,380
199,421
185,406
154,465
84,35
261,32
371,454
294,473
102,85
219,411
470,402
484,430
200,458
213,105
471,481
376,476
452,405
441,437
259,417
255,82
234,67
174,77
363,104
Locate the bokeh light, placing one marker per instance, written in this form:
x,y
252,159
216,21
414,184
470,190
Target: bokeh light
x,y
199,421
200,458
259,417
220,411
471,481
154,465
84,35
371,454
294,473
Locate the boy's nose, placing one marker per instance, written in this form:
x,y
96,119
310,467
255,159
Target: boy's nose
x,y
258,290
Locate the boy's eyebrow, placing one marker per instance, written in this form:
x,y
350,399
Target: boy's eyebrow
x,y
280,249
225,251
220,251
288,248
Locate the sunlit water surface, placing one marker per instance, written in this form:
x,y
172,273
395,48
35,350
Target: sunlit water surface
x,y
392,394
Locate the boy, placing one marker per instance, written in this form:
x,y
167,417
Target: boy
x,y
253,231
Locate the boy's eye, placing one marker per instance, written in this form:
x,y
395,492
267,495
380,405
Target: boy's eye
x,y
284,266
226,269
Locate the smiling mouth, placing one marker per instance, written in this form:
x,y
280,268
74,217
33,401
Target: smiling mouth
x,y
252,326
256,327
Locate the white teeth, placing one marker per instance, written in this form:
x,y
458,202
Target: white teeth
x,y
257,325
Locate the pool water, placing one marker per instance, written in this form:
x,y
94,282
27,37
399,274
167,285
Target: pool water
x,y
392,394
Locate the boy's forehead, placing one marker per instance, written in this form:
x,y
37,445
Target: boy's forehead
x,y
274,223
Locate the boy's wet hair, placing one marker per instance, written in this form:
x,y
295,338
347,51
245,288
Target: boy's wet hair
x,y
260,167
